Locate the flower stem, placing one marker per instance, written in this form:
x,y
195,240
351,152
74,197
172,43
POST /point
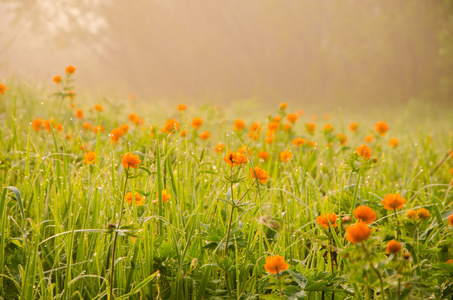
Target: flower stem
x,y
115,237
397,224
375,270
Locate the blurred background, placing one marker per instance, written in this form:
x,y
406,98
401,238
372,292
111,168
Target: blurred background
x,y
325,51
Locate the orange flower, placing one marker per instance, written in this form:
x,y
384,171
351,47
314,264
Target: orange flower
x,y
450,261
47,125
393,142
165,197
365,214
292,118
135,119
275,264
58,126
79,114
37,124
354,126
235,159
393,247
70,69
86,126
381,127
324,220
411,214
328,128
285,156
220,148
170,126
205,135
238,125
263,155
72,105
253,135
197,122
423,213
3,88
242,150
450,220
369,138
277,119
300,112
326,117
183,133
124,128
269,139
137,198
57,79
298,141
182,107
261,175
98,128
363,151
342,139
273,126
115,134
310,128
130,160
99,108
358,232
311,144
287,127
90,157
314,117
393,201
283,105
256,126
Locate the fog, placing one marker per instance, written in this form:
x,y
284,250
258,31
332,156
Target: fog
x,y
328,51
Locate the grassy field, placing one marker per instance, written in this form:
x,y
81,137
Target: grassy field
x,y
293,214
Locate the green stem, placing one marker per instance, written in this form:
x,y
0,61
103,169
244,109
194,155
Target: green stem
x,y
375,270
397,224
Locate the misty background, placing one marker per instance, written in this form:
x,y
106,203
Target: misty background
x,y
329,51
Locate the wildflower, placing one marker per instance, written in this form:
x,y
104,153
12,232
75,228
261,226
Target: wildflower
x,y
138,199
71,94
170,125
393,201
86,126
72,105
311,144
124,128
47,125
219,148
99,108
98,128
183,133
269,139
273,126
135,119
353,126
423,213
346,220
300,112
450,261
310,128
328,128
298,141
365,214
407,256
369,138
130,160
197,122
261,175
70,69
256,126
323,220
58,126
326,117
363,151
393,142
287,127
381,127
57,79
358,232
283,105
285,156
68,136
115,134
342,139
182,107
275,264
238,125
450,220
264,155
292,118
243,148
37,124
235,159
90,157
165,196
253,135
79,114
314,117
3,88
393,247
411,214
277,119
205,135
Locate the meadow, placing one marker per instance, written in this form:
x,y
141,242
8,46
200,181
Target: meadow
x,y
106,199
